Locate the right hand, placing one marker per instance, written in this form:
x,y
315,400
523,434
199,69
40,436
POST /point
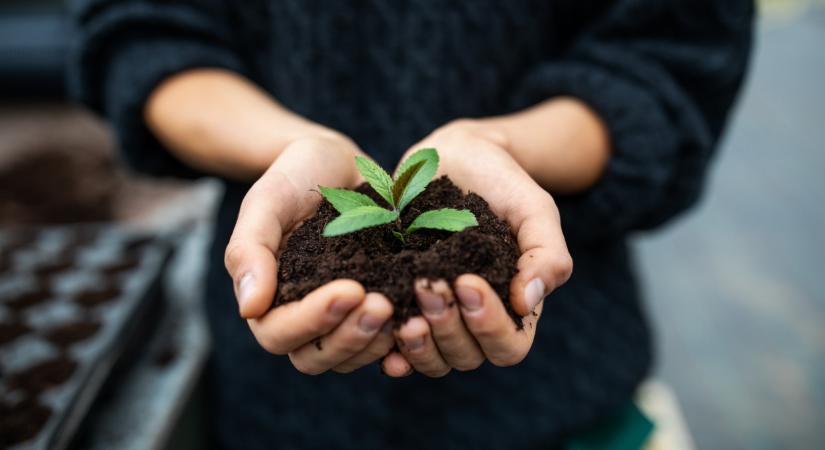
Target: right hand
x,y
349,322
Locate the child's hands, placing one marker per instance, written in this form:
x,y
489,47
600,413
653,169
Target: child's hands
x,y
477,327
337,326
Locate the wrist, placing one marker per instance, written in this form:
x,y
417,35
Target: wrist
x,y
236,131
486,129
326,158
322,137
454,140
259,150
562,143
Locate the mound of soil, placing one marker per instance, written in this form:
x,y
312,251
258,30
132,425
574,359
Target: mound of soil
x,y
380,262
21,421
10,331
28,299
58,186
68,334
44,375
92,297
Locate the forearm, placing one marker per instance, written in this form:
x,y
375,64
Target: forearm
x,y
561,143
221,123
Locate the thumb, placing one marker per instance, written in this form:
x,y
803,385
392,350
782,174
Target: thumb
x,y
545,263
250,255
254,273
274,205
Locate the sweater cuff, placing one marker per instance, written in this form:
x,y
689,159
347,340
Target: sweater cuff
x,y
135,68
644,149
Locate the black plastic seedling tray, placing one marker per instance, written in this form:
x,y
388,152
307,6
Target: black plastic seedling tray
x,y
72,300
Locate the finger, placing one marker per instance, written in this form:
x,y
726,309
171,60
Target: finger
x,y
418,348
377,349
254,276
545,262
294,324
351,337
396,365
267,210
454,342
487,319
280,199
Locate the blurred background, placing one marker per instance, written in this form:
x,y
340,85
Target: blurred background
x,y
735,288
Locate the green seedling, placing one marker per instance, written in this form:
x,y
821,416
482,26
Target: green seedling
x,y
359,211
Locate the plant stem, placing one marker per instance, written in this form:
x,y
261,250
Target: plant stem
x,y
400,237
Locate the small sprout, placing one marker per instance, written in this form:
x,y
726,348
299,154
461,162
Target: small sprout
x,y
399,236
359,211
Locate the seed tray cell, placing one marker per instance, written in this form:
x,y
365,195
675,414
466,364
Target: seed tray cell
x,y
72,298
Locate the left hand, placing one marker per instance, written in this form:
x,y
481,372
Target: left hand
x,y
476,159
341,315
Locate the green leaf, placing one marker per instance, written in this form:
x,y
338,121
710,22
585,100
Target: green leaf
x,y
380,180
421,178
403,180
399,236
343,200
448,219
358,218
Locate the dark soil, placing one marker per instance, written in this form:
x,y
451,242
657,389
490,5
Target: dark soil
x,y
380,262
54,267
97,296
21,421
43,376
124,265
136,244
58,186
19,240
84,236
65,335
25,300
9,331
166,355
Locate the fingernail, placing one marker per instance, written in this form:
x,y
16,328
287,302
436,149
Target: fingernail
x,y
245,288
369,323
470,298
431,302
338,309
415,343
533,293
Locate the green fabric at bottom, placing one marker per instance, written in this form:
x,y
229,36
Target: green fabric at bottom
x,y
628,430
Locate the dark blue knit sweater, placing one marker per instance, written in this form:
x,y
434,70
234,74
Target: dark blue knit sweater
x,y
661,73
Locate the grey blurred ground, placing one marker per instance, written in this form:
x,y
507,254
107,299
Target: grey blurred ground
x,y
737,288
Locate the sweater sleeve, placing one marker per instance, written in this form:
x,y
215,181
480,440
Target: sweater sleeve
x,y
123,49
662,75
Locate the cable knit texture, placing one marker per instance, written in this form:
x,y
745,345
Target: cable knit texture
x,y
661,73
